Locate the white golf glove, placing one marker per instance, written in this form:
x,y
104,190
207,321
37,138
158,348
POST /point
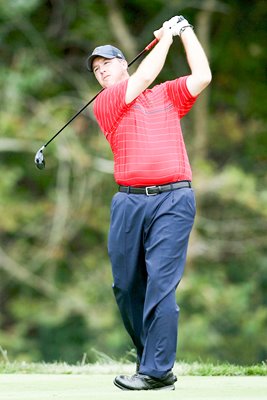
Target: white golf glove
x,y
177,25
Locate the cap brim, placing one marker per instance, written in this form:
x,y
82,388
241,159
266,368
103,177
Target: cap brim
x,y
91,58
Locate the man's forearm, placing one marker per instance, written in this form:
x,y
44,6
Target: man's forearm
x,y
197,61
149,68
155,60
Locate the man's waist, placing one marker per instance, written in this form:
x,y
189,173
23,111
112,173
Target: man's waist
x,y
155,189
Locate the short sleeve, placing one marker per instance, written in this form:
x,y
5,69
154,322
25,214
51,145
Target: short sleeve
x,y
180,96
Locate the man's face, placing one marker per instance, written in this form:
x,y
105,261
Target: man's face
x,y
109,71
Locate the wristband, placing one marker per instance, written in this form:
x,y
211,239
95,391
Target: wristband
x,y
184,28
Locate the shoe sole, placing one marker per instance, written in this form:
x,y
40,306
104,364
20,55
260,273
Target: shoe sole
x,y
169,387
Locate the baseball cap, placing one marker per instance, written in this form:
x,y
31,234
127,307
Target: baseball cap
x,y
106,51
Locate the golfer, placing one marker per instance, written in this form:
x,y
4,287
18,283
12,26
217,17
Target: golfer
x,y
153,212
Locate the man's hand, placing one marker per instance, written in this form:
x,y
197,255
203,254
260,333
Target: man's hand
x,y
163,32
176,25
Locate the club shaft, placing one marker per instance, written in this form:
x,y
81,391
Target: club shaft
x,y
147,48
72,118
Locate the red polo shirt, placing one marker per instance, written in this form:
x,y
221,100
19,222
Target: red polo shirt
x,y
145,136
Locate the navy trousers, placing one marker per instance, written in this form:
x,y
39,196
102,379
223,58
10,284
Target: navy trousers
x,y
147,245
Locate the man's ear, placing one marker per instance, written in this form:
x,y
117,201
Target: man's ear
x,y
125,64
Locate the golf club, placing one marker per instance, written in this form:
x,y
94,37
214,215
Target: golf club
x,y
39,156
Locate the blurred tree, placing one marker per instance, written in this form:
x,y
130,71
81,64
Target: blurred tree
x,y
56,300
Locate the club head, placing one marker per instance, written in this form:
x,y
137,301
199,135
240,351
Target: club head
x,y
39,158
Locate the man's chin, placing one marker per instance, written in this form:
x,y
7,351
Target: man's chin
x,y
107,84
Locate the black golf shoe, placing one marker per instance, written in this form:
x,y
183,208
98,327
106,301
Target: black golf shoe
x,y
145,382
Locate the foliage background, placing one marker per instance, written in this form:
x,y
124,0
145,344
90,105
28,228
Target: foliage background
x,y
56,300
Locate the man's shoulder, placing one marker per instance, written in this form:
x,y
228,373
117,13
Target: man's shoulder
x,y
117,86
112,93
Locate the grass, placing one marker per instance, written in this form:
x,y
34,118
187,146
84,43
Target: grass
x,y
196,381
100,387
107,365
112,367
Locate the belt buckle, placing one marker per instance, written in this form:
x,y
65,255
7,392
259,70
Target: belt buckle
x,y
147,191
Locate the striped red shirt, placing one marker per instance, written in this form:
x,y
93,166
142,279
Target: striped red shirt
x,y
145,136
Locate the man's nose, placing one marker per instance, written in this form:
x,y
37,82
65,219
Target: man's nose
x,y
102,69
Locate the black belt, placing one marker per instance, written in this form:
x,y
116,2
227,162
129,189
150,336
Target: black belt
x,y
153,190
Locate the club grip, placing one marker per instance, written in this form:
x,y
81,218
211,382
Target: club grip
x,y
151,45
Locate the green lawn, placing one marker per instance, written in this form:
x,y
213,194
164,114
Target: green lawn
x,y
110,366
196,381
100,387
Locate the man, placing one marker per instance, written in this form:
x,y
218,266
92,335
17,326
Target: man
x,y
153,212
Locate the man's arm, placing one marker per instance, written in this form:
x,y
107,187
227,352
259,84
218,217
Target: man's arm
x,y
200,71
150,67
